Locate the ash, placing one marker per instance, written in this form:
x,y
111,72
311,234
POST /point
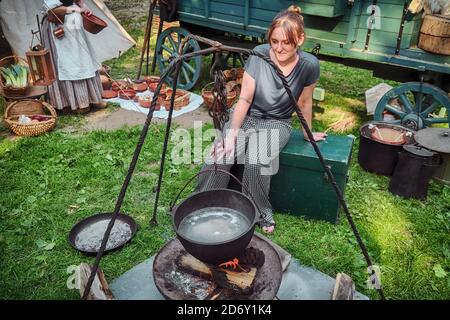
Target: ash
x,y
184,282
90,238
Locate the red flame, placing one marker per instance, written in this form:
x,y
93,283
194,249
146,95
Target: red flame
x,y
232,263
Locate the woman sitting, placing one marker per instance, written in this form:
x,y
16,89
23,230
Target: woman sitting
x,y
261,119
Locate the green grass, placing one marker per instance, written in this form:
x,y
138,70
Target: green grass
x,y
52,181
49,183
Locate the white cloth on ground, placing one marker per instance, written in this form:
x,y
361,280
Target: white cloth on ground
x,y
194,102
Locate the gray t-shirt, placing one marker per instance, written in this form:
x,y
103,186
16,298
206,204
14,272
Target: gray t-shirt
x,y
271,99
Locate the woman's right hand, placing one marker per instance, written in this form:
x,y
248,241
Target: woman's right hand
x,y
223,148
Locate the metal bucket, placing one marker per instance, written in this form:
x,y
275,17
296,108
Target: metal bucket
x,y
378,155
413,172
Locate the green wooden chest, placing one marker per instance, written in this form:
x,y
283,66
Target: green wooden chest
x,y
300,187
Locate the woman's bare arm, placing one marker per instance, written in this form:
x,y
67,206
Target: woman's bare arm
x,y
220,149
244,102
305,103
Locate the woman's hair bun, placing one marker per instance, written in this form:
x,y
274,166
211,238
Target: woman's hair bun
x,y
295,9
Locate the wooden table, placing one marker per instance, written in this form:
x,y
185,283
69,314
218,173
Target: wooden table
x,y
31,93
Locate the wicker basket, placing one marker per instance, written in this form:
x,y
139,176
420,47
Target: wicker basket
x,y
234,74
29,108
208,97
8,90
182,99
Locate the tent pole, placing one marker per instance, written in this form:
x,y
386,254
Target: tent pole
x,y
161,22
147,36
39,28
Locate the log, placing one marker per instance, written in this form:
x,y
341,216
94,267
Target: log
x,y
99,289
238,281
435,34
344,288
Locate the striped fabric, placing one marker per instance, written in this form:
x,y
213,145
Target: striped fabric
x,y
74,94
257,184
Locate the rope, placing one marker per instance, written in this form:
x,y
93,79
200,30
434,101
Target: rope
x,y
326,167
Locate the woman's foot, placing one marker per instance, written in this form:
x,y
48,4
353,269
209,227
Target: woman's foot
x,y
99,105
267,226
82,110
269,230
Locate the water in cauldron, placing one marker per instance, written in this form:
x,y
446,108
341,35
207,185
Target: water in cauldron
x,y
213,225
90,238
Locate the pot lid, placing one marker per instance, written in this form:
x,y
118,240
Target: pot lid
x,y
436,139
418,151
388,135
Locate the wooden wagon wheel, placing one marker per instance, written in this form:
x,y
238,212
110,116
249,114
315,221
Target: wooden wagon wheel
x,y
415,105
167,49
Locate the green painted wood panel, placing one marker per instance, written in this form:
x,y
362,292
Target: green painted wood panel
x,y
263,15
321,10
228,2
284,4
341,36
383,38
389,25
325,8
228,17
387,10
326,25
196,11
199,4
300,187
319,34
226,9
388,1
270,5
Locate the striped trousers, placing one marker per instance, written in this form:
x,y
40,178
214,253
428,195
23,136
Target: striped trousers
x,y
259,144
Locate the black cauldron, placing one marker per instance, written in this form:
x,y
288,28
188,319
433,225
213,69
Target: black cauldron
x,y
215,253
378,156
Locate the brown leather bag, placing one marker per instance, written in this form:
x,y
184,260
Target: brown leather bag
x,y
57,15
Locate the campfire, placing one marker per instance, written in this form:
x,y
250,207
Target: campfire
x,y
255,274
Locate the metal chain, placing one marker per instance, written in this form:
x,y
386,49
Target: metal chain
x,y
219,108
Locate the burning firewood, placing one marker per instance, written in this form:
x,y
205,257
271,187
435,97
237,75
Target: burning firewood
x,y
237,281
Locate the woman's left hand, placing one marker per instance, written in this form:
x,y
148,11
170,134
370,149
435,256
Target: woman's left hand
x,y
318,136
86,10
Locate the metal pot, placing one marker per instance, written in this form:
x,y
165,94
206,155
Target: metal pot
x,y
215,253
413,172
378,156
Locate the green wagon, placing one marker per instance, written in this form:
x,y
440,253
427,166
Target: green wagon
x,y
381,35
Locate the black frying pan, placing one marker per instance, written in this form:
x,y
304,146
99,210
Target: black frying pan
x,y
96,218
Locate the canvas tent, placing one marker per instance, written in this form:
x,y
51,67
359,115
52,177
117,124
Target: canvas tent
x,y
18,18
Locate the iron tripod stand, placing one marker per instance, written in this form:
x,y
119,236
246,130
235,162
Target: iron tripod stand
x,y
174,68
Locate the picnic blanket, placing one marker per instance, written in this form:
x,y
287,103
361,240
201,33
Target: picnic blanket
x,y
194,102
